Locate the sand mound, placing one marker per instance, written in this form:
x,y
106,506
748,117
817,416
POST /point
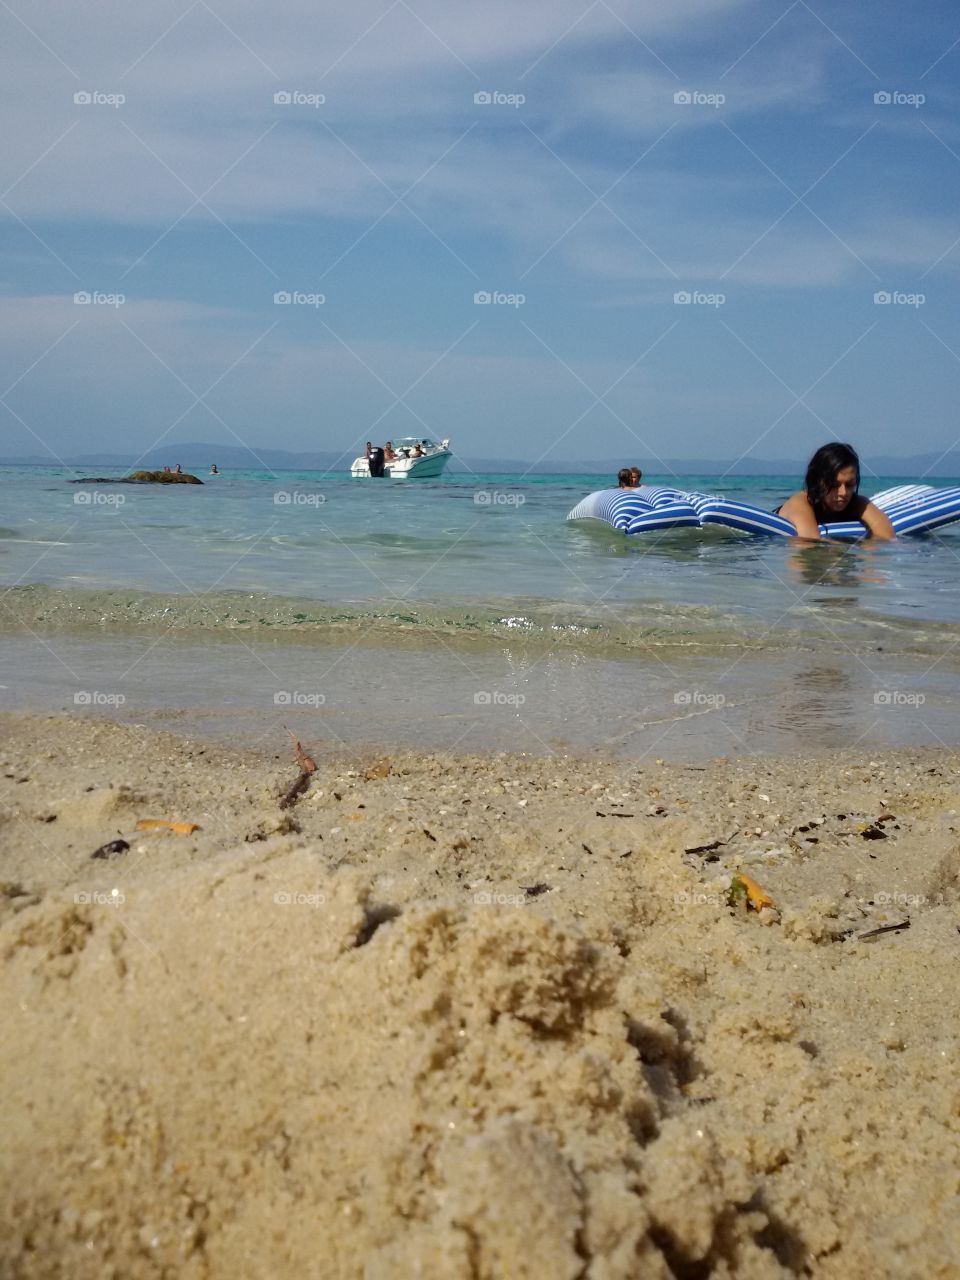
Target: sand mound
x,y
264,1080
325,1053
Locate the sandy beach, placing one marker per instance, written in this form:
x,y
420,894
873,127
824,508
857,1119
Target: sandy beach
x,y
479,642
475,1016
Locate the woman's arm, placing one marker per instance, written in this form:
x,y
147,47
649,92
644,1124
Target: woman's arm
x,y
878,523
800,514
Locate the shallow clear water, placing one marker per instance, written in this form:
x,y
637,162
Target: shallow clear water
x,y
498,541
505,697
466,612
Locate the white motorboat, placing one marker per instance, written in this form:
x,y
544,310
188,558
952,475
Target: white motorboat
x,y
415,459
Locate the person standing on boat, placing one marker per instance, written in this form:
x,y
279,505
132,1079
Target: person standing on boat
x,y
829,496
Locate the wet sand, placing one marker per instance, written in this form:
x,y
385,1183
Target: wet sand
x,y
484,695
475,1015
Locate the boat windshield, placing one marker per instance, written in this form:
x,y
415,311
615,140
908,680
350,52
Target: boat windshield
x,y
411,442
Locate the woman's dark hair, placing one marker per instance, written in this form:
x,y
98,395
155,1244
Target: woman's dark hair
x,y
823,467
624,477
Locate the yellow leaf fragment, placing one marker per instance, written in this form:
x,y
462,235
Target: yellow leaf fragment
x,y
756,896
163,824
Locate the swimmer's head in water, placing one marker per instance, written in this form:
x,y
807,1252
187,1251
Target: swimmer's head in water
x,y
833,477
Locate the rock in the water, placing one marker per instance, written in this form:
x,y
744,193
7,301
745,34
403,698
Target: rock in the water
x,y
163,477
143,477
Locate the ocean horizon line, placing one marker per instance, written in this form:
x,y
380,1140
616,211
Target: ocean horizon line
x,y
884,468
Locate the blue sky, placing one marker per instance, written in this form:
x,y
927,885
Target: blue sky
x,y
781,197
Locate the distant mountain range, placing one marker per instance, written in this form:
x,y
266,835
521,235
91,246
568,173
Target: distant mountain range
x,y
199,456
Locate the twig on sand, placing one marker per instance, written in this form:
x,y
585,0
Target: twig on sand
x,y
307,763
296,791
712,845
307,766
885,928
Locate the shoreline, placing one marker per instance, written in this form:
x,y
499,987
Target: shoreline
x,y
428,694
616,628
357,1028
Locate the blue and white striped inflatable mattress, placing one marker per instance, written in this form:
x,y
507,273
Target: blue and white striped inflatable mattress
x,y
912,508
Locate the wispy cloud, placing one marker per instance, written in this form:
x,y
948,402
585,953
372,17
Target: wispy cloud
x,y
585,184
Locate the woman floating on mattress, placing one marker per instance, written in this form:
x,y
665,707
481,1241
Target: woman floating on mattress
x,y
829,496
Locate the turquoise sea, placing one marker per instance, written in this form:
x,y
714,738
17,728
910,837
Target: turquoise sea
x,y
413,597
